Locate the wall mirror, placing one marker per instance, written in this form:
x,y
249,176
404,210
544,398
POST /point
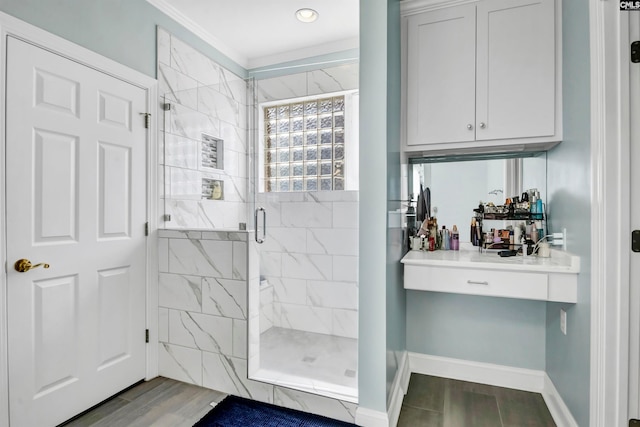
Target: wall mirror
x,y
458,184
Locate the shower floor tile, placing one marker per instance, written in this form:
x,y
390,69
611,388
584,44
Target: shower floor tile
x,y
318,357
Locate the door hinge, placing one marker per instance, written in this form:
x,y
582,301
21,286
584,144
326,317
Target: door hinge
x,y
635,51
146,119
146,336
634,423
146,228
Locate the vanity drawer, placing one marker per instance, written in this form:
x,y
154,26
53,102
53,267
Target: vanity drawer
x,y
508,284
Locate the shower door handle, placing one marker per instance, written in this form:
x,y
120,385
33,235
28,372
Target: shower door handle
x,y
264,224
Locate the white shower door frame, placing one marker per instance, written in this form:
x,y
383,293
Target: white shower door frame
x,y
10,26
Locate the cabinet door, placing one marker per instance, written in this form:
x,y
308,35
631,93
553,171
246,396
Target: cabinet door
x,y
441,76
516,69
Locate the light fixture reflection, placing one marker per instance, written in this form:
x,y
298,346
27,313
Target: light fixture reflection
x,y
306,15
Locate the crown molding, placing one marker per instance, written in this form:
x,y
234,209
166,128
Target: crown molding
x,y
304,53
412,7
168,9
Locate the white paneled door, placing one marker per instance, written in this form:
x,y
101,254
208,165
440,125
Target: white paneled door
x,y
75,156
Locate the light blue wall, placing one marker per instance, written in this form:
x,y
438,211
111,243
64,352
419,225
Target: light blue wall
x,y
396,301
374,175
123,30
502,331
569,205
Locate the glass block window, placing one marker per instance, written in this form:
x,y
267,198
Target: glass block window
x,y
304,145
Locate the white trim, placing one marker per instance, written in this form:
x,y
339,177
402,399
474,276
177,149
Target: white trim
x,y
247,63
398,390
463,370
412,7
496,375
152,240
370,418
558,409
609,205
306,52
634,223
477,372
10,26
168,9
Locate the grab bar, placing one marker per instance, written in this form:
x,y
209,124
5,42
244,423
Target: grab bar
x,y
264,224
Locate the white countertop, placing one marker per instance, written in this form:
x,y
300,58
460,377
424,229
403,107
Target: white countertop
x,y
469,257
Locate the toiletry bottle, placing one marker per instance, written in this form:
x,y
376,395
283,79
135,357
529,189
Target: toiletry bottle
x,y
446,240
534,233
455,239
472,234
539,207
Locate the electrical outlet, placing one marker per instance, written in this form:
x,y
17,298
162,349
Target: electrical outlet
x,y
560,239
563,321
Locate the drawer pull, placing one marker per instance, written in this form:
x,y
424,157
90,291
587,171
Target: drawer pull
x,y
473,282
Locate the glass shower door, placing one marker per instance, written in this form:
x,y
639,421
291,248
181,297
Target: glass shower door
x,y
303,255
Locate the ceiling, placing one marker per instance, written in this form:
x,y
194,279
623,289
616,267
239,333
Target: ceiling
x,y
257,33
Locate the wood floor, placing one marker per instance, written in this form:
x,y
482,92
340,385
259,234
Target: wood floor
x,y
440,402
160,402
429,402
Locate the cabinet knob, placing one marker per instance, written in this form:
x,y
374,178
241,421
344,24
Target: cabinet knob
x,y
470,126
482,125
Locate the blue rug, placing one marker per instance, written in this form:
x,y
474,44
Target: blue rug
x,y
236,411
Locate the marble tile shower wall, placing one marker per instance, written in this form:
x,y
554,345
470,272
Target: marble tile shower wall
x,y
316,82
203,320
206,99
310,257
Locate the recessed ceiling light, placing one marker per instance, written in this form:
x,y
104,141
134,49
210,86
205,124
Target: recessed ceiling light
x,y
306,15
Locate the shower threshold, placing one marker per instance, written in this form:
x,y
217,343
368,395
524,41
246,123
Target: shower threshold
x,y
316,363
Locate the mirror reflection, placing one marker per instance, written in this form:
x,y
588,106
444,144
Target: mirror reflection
x,y
453,188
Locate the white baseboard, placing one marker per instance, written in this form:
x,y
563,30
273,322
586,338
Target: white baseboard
x,y
398,390
369,418
559,411
464,370
484,373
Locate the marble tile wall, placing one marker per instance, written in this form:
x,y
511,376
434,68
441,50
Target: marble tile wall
x,y
205,98
310,257
209,280
317,82
203,282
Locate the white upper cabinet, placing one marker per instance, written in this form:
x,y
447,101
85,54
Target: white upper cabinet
x,y
441,74
482,76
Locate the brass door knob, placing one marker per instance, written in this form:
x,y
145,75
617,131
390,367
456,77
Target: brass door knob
x,y
24,265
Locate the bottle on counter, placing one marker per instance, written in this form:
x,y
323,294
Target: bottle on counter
x,y
441,238
455,239
446,239
473,238
539,207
